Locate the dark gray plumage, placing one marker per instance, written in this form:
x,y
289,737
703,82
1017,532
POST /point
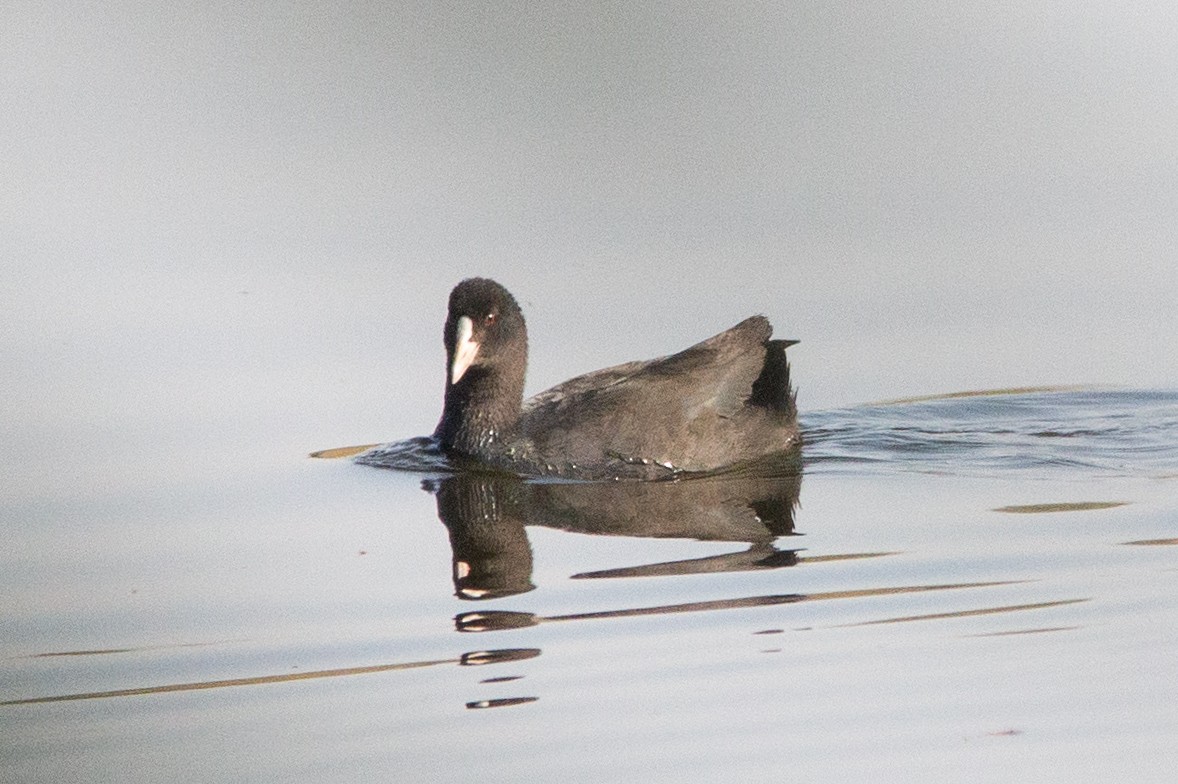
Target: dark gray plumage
x,y
725,401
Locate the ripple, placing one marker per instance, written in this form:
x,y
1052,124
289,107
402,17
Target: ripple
x,y
422,454
1032,431
1078,432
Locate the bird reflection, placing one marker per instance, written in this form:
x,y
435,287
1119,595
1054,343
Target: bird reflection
x,y
486,516
485,519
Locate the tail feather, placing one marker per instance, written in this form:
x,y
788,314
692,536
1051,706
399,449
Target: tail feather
x,y
772,388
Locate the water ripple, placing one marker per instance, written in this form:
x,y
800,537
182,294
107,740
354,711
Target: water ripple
x,y
1037,432
1109,433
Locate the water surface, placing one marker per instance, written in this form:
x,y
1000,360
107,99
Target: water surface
x,y
228,232
964,587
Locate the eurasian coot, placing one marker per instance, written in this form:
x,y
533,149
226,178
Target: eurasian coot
x,y
723,402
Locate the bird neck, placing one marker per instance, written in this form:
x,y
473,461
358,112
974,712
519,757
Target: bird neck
x,y
480,411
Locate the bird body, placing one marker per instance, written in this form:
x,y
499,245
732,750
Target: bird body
x,y
722,402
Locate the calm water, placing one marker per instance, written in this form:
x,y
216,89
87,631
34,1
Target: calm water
x,y
227,234
966,588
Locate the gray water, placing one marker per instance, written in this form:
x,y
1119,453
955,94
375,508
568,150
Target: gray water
x,y
227,233
956,588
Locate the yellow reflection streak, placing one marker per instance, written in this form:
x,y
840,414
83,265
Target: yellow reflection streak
x,y
966,613
762,601
1079,506
261,679
980,393
1017,632
341,451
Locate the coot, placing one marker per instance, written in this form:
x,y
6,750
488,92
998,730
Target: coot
x,y
723,402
